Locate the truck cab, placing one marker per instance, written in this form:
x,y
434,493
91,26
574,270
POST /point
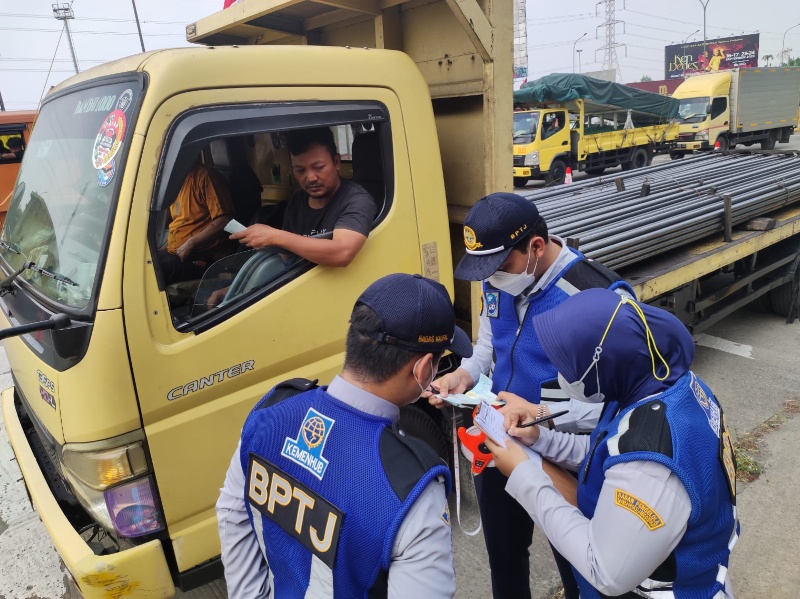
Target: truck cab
x,y
704,111
539,137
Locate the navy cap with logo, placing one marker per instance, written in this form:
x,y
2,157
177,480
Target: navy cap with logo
x,y
492,227
416,314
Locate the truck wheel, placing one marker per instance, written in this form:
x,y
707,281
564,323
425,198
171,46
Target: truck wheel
x,y
676,155
414,421
520,181
787,296
596,172
638,160
769,143
558,169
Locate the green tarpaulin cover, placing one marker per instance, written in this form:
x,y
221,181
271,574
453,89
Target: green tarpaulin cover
x,y
597,94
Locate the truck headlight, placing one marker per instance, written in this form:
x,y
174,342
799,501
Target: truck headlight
x,y
532,158
107,479
701,135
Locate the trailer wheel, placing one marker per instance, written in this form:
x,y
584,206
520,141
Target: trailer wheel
x,y
596,172
769,143
786,298
520,181
557,172
414,421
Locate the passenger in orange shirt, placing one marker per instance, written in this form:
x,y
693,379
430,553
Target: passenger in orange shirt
x,y
196,236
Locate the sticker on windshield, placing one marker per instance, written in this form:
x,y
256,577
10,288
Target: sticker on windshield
x,y
125,100
109,139
106,174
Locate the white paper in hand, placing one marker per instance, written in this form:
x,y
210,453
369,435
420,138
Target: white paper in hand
x,y
234,226
482,390
490,421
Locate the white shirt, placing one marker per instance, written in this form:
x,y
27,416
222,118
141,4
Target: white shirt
x,y
422,556
582,417
615,551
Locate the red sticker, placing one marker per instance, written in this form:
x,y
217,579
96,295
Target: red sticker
x,y
109,139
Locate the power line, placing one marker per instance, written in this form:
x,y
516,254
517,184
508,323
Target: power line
x,y
101,20
33,29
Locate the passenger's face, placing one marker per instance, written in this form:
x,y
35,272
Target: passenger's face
x,y
317,171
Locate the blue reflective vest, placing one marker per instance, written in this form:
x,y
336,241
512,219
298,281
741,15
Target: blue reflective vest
x,y
682,428
521,365
327,488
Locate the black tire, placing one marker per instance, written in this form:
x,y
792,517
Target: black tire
x,y
557,172
762,304
596,172
415,421
676,155
638,160
769,143
724,144
787,296
521,181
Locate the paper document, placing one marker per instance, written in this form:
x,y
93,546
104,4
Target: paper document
x,y
490,421
234,226
482,390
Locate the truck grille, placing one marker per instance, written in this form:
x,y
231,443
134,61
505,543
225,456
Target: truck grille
x,y
686,137
519,160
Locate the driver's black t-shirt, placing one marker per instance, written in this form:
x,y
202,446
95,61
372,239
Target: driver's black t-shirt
x,y
351,208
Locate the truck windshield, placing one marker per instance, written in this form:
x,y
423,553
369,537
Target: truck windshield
x,y
525,125
693,110
60,207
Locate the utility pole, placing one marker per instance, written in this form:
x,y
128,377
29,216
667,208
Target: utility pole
x,y
573,50
705,5
63,12
784,50
579,60
139,27
684,51
2,105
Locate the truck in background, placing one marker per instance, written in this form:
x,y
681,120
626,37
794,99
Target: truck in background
x,y
586,124
14,124
129,394
737,106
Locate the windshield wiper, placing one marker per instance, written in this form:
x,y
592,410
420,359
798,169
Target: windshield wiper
x,y
50,273
10,246
6,284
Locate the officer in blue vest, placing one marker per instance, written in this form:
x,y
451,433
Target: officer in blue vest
x,y
525,271
656,488
325,496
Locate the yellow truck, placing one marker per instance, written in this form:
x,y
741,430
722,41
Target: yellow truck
x,y
738,106
128,393
586,124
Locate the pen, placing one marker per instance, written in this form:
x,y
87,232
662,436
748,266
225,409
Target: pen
x,y
543,419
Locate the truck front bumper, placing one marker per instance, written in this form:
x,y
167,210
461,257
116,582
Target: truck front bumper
x,y
528,172
138,571
688,146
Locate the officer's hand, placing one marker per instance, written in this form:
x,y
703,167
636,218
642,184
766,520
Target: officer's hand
x,y
515,403
512,418
454,382
509,457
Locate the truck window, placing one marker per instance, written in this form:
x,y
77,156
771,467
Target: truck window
x,y
63,203
248,167
552,124
718,106
12,143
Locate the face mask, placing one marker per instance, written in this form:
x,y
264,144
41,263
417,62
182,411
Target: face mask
x,y
434,372
577,391
514,284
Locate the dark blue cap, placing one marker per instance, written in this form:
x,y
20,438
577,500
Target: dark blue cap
x,y
416,314
492,227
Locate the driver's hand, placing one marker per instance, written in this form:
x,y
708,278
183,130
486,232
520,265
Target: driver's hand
x,y
454,382
216,297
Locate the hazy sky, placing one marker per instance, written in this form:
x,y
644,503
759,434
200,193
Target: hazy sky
x,y
104,30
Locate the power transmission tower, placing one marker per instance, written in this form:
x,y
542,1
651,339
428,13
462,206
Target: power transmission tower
x,y
610,60
63,12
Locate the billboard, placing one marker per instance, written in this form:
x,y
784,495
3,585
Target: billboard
x,y
681,60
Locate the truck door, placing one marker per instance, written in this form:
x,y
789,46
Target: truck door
x,y
554,135
200,367
719,121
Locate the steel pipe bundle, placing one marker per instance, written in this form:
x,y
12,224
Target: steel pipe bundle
x,y
660,208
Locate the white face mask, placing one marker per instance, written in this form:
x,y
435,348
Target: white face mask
x,y
422,387
577,390
515,283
